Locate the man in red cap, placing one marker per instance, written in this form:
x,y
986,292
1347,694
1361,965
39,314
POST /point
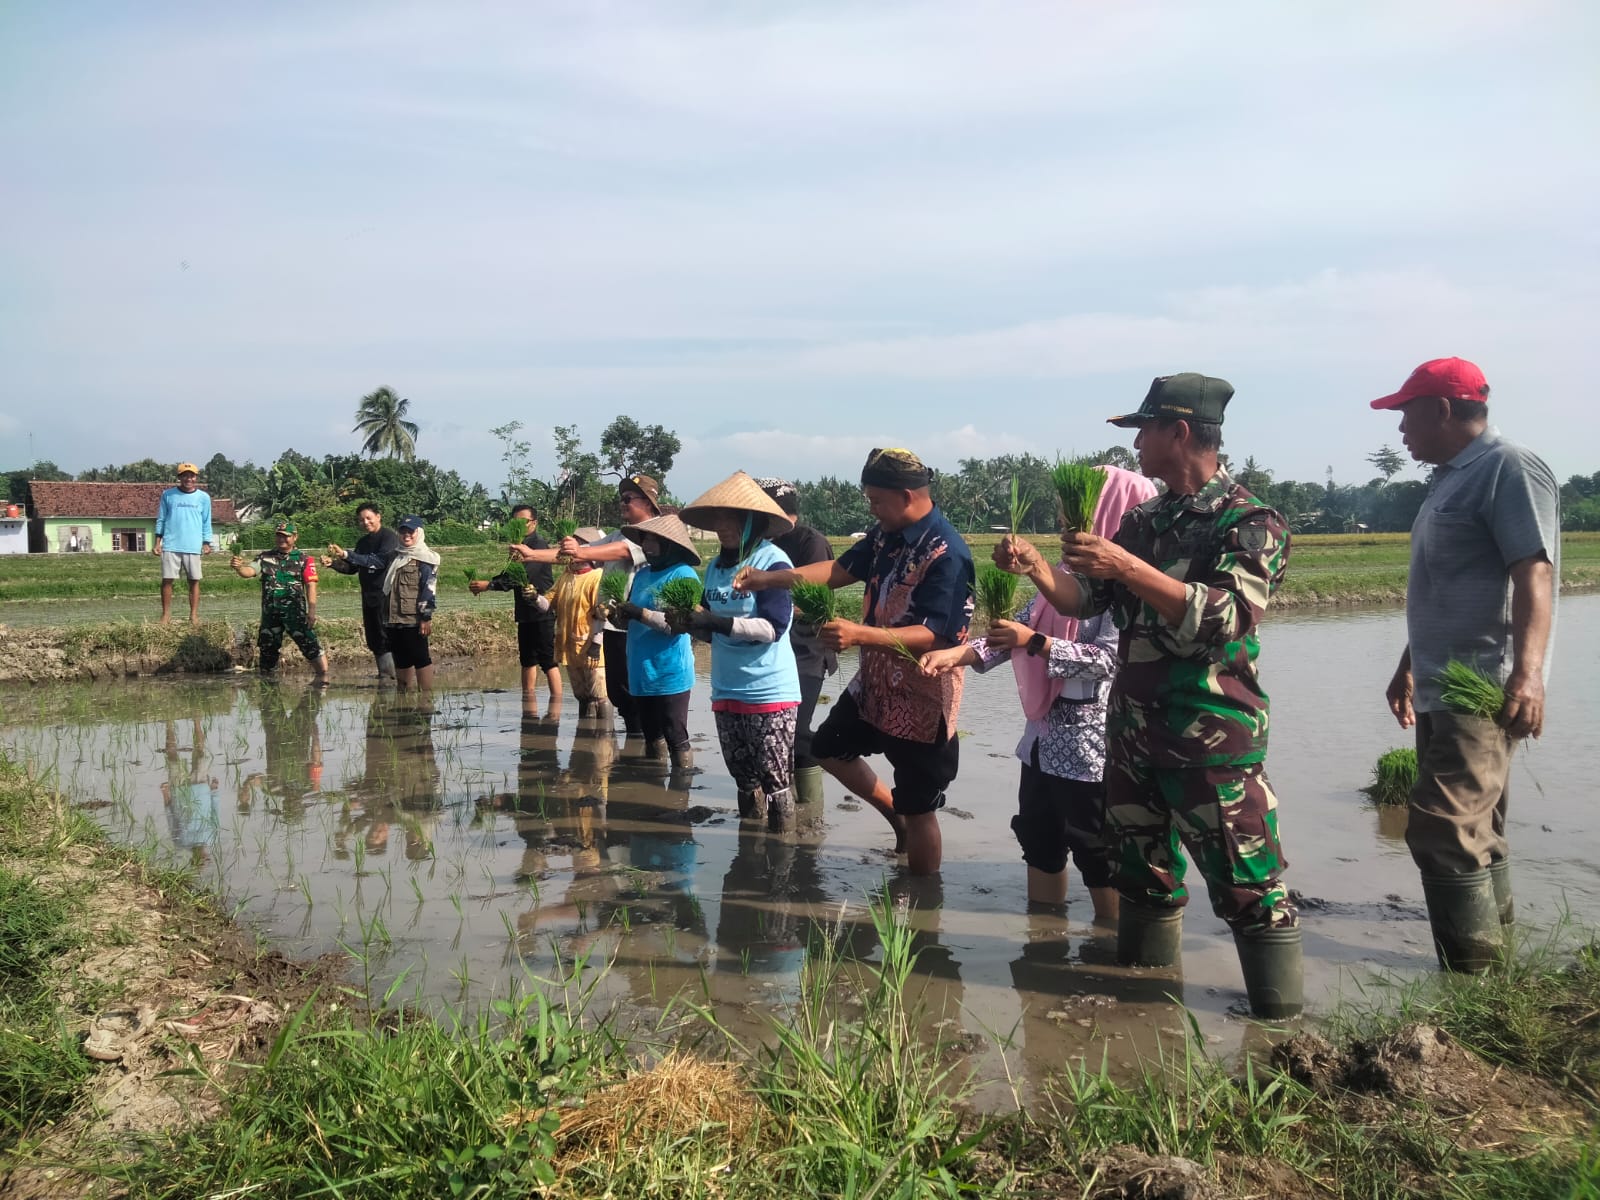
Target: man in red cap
x,y
1485,549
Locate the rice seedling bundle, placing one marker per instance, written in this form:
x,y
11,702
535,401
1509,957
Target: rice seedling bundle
x,y
469,574
563,528
614,587
1393,776
516,574
680,595
1078,488
815,602
1021,502
997,593
1468,690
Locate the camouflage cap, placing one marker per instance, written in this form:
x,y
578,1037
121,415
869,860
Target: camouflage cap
x,y
1198,399
286,527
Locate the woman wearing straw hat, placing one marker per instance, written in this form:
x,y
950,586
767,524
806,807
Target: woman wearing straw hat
x,y
755,685
660,662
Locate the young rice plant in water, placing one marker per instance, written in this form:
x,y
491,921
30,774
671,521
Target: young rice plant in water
x,y
1078,488
1468,690
997,593
1393,776
814,602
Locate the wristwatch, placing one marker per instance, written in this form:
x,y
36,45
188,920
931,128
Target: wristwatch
x,y
1036,645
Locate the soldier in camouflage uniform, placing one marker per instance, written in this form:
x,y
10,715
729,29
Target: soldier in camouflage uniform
x,y
1187,579
288,600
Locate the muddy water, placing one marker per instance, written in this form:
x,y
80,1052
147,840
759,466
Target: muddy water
x,y
459,845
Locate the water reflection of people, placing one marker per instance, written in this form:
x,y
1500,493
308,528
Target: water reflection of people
x,y
189,793
400,777
292,750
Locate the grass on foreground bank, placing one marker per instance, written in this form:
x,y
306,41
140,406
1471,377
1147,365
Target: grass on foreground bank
x,y
541,1098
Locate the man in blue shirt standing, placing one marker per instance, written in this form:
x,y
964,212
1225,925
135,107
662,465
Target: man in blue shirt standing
x,y
183,534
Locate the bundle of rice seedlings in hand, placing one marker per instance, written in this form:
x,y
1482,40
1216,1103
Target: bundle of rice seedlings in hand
x,y
469,574
1468,690
1021,502
516,574
1078,488
614,587
564,528
814,602
680,595
997,593
1393,777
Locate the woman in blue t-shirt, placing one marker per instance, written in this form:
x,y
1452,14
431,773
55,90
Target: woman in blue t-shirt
x,y
660,662
755,685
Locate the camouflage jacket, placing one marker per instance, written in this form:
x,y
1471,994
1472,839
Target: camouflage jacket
x,y
283,580
1189,696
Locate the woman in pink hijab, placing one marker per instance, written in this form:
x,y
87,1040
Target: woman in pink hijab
x,y
1063,669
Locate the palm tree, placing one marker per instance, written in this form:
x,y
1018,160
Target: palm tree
x,y
381,417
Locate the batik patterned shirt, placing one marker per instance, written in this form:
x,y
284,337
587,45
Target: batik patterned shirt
x,y
920,575
283,580
1188,695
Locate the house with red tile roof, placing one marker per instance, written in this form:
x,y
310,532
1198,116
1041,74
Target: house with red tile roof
x,y
66,518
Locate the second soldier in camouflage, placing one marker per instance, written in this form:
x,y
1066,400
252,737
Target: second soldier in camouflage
x,y
288,600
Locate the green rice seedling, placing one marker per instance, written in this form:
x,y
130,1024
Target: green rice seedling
x,y
1021,501
905,651
997,593
516,574
1078,487
1468,690
565,527
1393,776
614,587
680,595
814,602
469,575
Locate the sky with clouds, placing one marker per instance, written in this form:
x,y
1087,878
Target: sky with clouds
x,y
789,232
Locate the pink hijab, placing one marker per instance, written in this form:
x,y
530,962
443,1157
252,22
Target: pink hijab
x,y
1124,490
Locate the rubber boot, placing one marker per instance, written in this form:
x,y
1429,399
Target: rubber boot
x,y
780,810
656,748
1270,960
808,786
1465,920
603,712
1148,936
683,761
1500,877
386,666
750,804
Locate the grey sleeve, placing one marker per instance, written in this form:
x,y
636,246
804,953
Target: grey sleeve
x,y
653,618
753,629
1524,513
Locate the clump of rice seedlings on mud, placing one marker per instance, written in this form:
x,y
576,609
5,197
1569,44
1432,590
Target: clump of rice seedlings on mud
x,y
680,596
997,593
1078,487
614,587
1393,777
1468,690
815,602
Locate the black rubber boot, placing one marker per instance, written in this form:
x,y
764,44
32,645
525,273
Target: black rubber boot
x,y
1270,960
656,748
1465,920
1147,936
750,804
1500,877
683,761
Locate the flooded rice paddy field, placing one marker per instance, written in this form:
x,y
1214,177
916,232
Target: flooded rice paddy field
x,y
459,844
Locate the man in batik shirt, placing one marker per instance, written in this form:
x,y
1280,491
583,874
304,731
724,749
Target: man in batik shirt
x,y
288,600
918,575
1187,579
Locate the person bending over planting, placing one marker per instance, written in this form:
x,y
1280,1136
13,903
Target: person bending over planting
x,y
1063,669
1187,579
579,647
660,661
1485,559
637,498
919,580
410,582
755,686
288,600
536,626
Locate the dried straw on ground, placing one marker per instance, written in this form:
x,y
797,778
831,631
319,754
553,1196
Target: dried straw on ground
x,y
680,1097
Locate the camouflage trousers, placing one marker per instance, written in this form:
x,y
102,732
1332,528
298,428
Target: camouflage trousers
x,y
1227,817
269,641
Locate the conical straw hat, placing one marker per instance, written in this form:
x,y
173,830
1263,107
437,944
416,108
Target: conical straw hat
x,y
741,492
669,529
588,534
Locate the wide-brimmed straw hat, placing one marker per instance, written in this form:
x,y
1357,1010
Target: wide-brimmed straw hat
x,y
739,491
587,534
669,529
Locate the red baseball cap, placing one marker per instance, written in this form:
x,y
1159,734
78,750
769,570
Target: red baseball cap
x,y
1452,378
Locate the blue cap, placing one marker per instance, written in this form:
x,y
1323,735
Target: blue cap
x,y
412,522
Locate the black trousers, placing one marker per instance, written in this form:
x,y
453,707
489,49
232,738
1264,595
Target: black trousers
x,y
372,626
665,717
616,647
810,689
